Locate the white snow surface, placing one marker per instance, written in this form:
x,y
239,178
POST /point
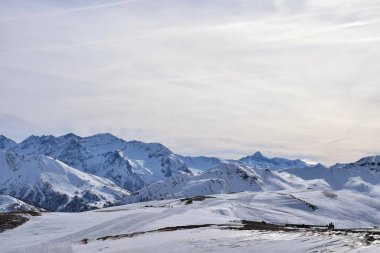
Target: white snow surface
x,y
63,232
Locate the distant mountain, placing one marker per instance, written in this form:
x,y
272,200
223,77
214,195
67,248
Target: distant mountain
x,y
354,176
370,162
46,166
10,204
131,165
200,164
53,185
276,163
235,177
6,143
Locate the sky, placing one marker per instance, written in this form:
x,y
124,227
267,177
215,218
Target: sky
x,y
291,78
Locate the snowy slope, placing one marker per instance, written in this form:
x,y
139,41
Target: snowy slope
x,y
10,204
131,165
53,185
6,143
63,232
260,161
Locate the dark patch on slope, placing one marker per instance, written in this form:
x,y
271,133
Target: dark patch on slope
x,y
188,201
14,219
165,229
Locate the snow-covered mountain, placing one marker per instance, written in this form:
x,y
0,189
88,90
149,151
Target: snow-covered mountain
x,y
201,164
152,171
362,176
260,161
11,204
234,177
53,185
371,162
6,143
131,165
224,178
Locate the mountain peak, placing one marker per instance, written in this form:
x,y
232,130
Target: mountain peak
x,y
259,160
37,137
6,143
369,161
70,135
257,154
104,137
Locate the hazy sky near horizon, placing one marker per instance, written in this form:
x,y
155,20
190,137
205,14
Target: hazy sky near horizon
x,y
292,78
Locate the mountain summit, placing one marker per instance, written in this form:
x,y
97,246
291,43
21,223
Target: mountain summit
x,y
6,143
276,163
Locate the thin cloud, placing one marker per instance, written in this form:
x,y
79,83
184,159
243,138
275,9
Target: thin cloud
x,y
68,11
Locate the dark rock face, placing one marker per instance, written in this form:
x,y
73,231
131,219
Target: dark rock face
x,y
125,178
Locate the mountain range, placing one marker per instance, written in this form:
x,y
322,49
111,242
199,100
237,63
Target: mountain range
x,y
73,173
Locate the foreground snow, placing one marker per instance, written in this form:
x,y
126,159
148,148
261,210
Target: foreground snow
x,y
225,241
63,232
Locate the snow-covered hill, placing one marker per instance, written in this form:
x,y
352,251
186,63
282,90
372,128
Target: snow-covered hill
x,y
53,185
131,165
11,204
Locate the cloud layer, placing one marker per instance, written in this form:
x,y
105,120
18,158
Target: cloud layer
x,y
290,78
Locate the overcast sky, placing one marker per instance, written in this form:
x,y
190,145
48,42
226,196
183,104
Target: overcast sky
x,y
292,78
